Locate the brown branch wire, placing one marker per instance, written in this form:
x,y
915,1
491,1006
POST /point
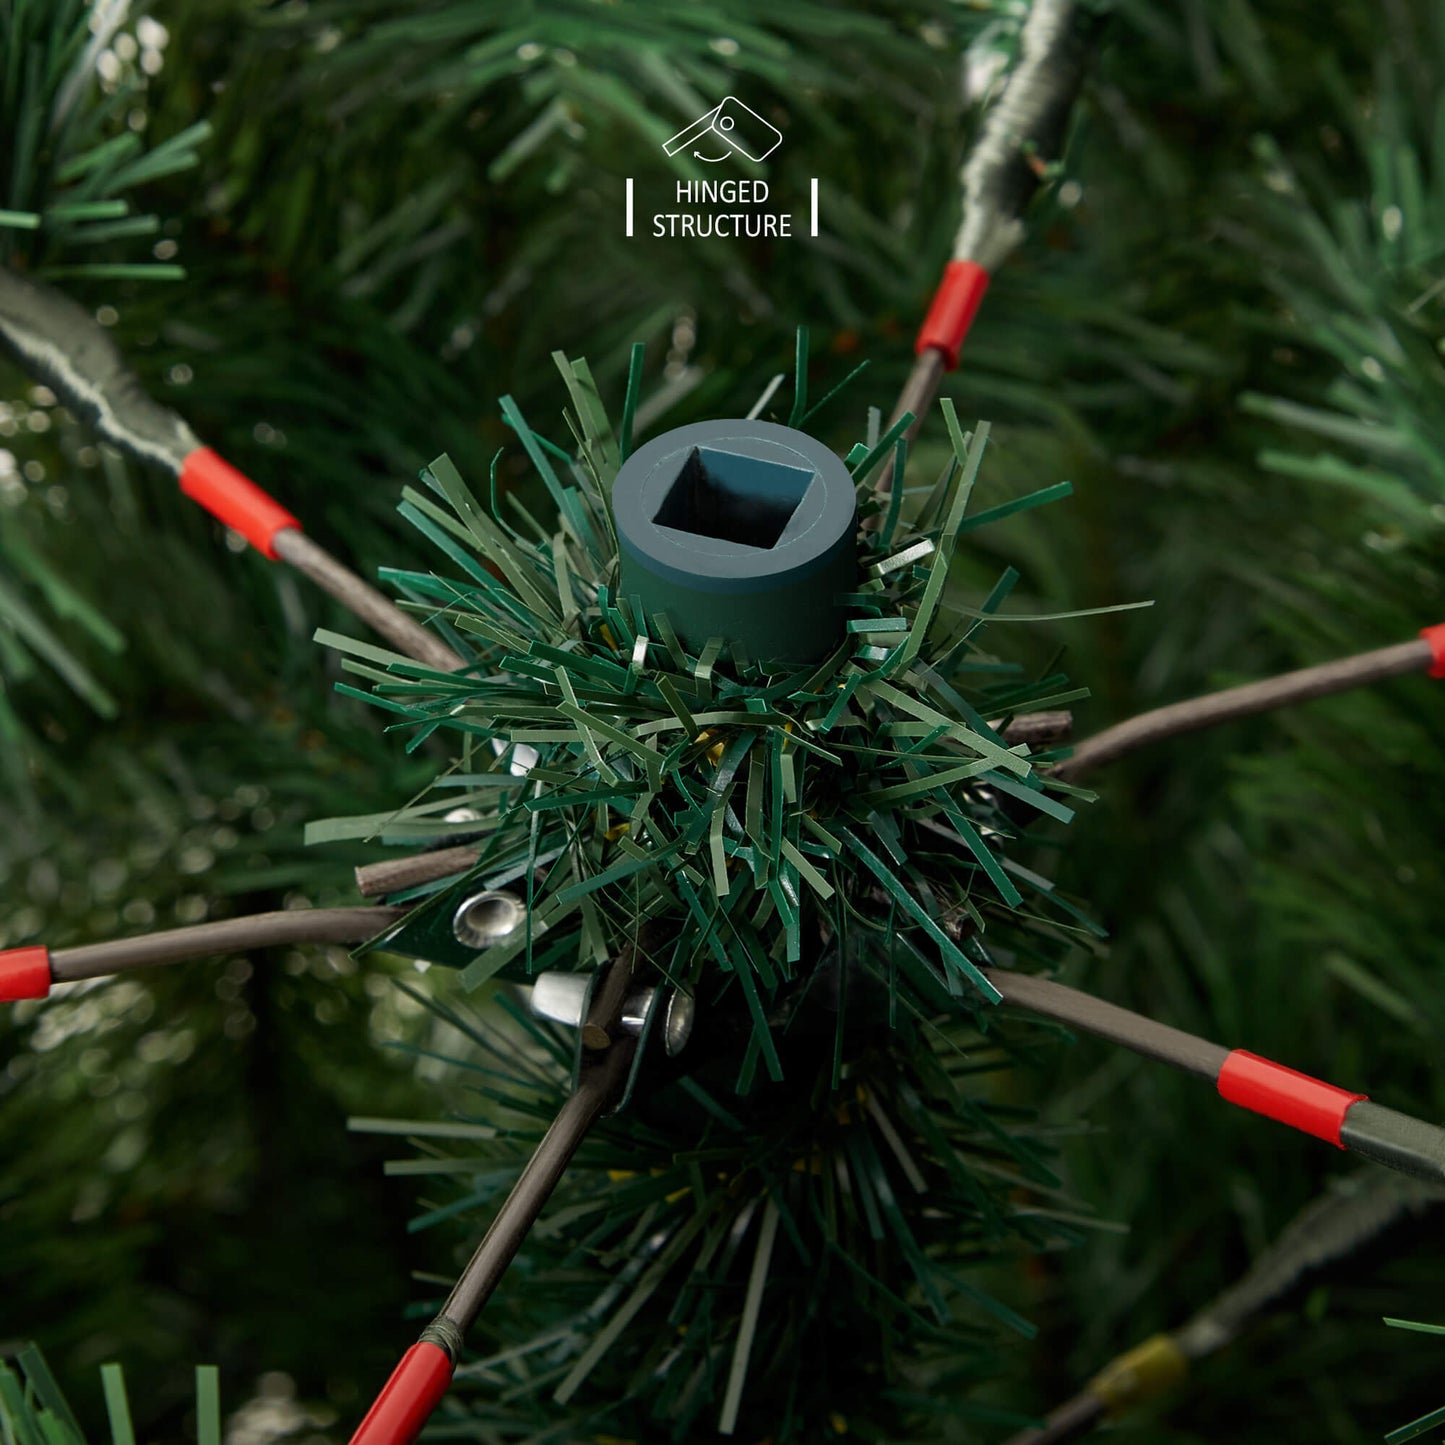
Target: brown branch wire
x,y
364,601
229,935
357,925
1118,1025
917,396
1213,708
393,875
603,1073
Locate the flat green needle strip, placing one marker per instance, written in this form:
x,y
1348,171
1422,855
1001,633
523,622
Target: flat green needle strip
x,y
828,396
914,909
800,380
1054,493
762,1033
716,851
14,1417
38,1376
981,851
617,873
208,1405
938,573
806,870
591,414
1417,1325
592,724
1034,797
930,782
1416,1428
629,401
748,1325
623,1315
356,648
482,533
977,742
883,447
117,1406
512,414
895,495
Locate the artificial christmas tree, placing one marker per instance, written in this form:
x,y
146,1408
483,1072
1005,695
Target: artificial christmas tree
x,y
1167,881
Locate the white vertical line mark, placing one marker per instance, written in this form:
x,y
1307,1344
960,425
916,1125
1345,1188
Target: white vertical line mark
x,y
814,231
629,207
766,397
748,1324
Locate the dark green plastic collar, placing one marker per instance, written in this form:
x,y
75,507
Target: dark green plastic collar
x,y
743,530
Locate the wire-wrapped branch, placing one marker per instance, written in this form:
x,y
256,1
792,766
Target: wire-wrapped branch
x,y
420,1380
60,344
56,341
1346,1217
1022,131
1346,1119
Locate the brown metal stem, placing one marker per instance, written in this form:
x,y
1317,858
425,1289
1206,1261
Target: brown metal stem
x,y
230,935
375,880
1119,1025
361,598
602,1078
1069,1421
1236,702
1039,729
599,1028
917,396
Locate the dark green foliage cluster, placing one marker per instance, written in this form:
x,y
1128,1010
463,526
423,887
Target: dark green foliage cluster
x,y
76,149
822,841
797,1263
1294,910
748,808
34,1410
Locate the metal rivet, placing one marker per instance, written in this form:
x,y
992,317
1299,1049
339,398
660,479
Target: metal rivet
x,y
634,1011
563,997
677,1026
486,918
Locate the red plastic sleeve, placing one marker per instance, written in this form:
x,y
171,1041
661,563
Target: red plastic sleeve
x,y
24,973
1435,636
233,498
1304,1103
952,310
408,1398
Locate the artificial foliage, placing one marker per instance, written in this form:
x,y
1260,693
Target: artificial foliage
x,y
35,1411
702,789
1247,211
822,856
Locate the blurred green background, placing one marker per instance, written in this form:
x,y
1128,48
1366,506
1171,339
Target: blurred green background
x,y
1224,327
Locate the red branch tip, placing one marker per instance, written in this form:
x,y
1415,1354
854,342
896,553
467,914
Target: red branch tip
x,y
1435,636
24,973
1302,1102
952,310
233,498
407,1399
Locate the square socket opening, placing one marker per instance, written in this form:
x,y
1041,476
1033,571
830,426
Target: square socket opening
x,y
733,498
